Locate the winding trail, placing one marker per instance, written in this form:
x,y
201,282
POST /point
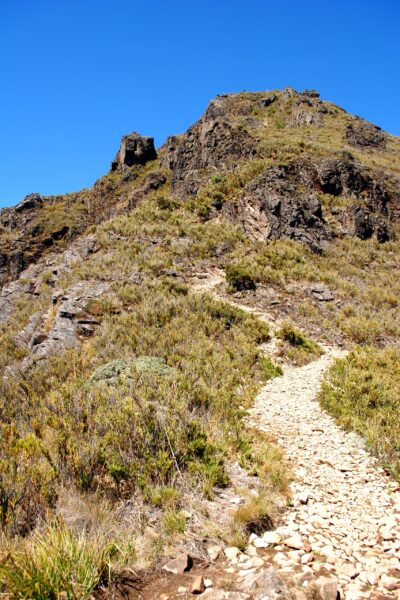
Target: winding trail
x,y
344,521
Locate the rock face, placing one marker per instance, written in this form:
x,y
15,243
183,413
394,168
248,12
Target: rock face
x,y
364,134
134,150
214,142
77,316
272,207
284,201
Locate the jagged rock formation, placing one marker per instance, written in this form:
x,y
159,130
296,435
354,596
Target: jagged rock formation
x,y
134,150
214,142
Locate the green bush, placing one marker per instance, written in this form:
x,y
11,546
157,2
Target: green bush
x,y
297,347
269,369
239,278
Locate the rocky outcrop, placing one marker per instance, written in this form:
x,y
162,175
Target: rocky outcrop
x,y
78,314
365,135
30,280
215,143
30,201
285,201
273,207
134,150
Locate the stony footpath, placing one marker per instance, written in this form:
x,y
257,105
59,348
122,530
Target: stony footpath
x,y
340,538
345,516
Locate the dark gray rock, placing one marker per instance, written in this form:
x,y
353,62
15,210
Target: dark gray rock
x,y
29,202
134,150
268,100
363,134
273,207
212,143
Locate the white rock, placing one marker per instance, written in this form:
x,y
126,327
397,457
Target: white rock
x,y
232,553
272,537
259,543
294,542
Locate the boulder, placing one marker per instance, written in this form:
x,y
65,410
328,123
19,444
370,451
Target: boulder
x,y
134,150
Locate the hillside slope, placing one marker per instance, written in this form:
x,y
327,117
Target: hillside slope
x,y
123,393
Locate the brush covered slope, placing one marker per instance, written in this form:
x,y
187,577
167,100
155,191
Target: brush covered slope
x,y
123,393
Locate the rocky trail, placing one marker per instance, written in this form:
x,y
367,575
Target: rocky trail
x,y
340,537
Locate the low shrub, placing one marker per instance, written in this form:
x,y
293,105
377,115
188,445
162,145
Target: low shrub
x,y
296,346
239,278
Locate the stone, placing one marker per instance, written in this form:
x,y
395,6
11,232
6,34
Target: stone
x,y
303,497
272,538
207,583
362,134
349,570
327,588
179,565
232,553
294,542
198,585
321,293
390,583
268,100
134,150
214,594
264,584
259,543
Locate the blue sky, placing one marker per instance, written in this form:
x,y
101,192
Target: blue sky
x,y
75,75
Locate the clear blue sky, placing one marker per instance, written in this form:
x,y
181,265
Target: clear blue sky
x,y
75,75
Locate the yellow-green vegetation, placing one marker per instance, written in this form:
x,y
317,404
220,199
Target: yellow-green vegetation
x,y
363,392
364,277
56,563
296,346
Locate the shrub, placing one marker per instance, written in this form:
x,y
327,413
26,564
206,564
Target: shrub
x,y
239,278
269,370
299,349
